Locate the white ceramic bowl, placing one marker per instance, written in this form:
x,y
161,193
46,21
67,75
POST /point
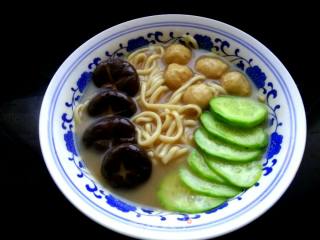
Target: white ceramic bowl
x,y
287,129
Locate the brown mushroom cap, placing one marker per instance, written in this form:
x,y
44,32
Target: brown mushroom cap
x,y
117,73
126,166
113,102
109,131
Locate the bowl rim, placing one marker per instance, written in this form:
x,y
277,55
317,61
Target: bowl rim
x,y
129,230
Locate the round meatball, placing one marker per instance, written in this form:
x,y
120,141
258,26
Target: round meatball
x,y
235,83
199,94
176,75
211,67
177,53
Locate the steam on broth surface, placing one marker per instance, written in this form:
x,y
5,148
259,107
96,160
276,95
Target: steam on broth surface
x,y
174,90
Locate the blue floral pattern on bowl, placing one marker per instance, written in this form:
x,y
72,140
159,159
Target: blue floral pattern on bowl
x,y
217,45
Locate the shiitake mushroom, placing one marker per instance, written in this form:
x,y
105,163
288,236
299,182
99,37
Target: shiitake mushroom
x,y
113,102
126,166
109,131
117,73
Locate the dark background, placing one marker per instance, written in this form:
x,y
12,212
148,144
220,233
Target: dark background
x,y
40,38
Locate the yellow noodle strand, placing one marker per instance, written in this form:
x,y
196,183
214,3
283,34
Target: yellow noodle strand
x,y
169,155
143,119
178,123
156,95
154,136
191,81
161,126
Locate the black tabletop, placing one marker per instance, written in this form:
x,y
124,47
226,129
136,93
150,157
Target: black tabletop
x,y
44,38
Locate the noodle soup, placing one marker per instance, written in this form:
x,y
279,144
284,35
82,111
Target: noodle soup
x,y
176,85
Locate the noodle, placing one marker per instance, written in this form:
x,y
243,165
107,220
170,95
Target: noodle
x,y
157,93
190,41
78,112
176,124
163,122
144,138
145,64
144,119
216,89
186,85
190,122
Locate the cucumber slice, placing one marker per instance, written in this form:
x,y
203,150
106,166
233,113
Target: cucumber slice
x,y
200,167
239,174
205,187
239,111
217,148
244,137
174,196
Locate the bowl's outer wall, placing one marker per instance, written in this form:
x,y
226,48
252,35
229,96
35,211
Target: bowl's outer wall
x,y
148,234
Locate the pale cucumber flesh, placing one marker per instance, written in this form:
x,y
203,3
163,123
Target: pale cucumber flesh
x,y
174,196
198,165
238,174
239,111
220,149
206,187
244,137
230,145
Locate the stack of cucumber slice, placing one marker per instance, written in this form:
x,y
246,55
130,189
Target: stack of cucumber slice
x,y
230,144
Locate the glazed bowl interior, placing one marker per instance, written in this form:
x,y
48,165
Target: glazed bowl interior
x,y
287,129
